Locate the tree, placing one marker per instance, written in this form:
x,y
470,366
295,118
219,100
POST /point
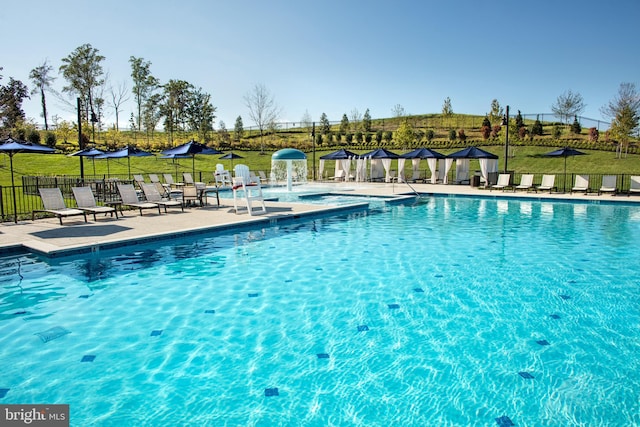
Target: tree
x,y
496,113
305,121
344,124
537,127
144,84
447,109
238,129
42,80
398,111
325,126
151,115
174,106
366,121
118,97
199,113
567,105
405,134
576,128
11,97
225,137
83,71
263,109
624,110
356,118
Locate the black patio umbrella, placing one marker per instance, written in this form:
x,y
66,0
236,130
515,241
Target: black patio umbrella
x,y
341,154
231,156
191,148
89,152
472,153
127,152
11,147
564,152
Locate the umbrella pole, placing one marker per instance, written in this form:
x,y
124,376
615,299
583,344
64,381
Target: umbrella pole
x,y
565,175
13,187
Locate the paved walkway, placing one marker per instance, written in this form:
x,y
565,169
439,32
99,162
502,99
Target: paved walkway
x,y
49,237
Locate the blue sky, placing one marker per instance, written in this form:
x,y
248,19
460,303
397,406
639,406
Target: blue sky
x,y
337,56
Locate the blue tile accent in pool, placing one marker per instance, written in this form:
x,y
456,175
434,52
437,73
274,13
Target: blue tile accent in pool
x,y
84,296
17,313
288,281
362,328
525,375
254,295
554,316
268,392
156,333
438,275
543,342
393,306
3,392
565,297
418,290
323,356
209,311
504,421
88,358
53,333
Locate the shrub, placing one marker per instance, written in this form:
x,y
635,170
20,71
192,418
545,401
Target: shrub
x,y
358,137
388,136
575,127
50,139
557,131
379,136
593,134
368,137
536,129
452,135
522,132
495,131
430,134
349,138
461,135
486,132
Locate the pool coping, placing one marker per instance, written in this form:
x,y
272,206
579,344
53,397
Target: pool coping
x,y
46,237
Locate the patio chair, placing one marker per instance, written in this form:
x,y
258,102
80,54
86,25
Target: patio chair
x,y
581,184
526,182
548,183
87,202
53,203
503,182
609,184
129,198
251,190
152,195
634,186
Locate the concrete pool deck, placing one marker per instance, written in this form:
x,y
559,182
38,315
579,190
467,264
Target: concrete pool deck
x,y
48,237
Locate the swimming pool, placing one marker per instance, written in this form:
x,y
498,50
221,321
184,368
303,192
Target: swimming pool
x,y
453,311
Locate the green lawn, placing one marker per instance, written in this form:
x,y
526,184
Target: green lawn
x,y
524,159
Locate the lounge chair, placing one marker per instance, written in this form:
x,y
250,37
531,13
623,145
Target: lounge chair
x,y
152,195
222,177
503,182
609,184
138,179
251,190
340,176
634,186
548,183
526,182
87,202
53,203
129,197
581,184
263,177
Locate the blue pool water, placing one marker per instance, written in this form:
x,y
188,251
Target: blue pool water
x,y
450,312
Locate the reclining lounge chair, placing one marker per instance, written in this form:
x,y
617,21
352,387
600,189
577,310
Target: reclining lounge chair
x,y
53,203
